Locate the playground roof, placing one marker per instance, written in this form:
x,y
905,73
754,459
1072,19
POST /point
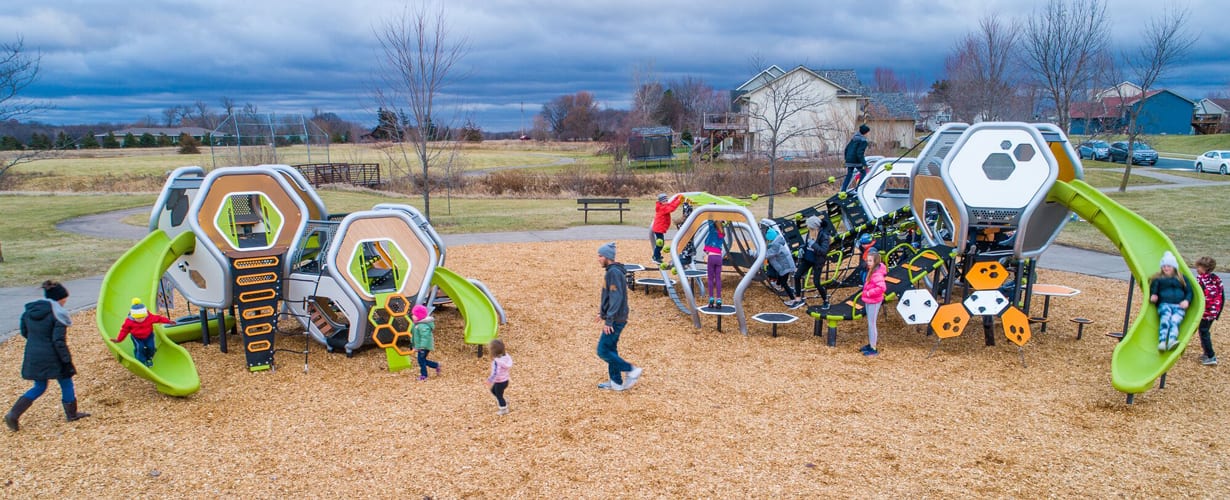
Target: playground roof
x,y
703,198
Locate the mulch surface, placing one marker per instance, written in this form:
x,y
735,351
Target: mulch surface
x,y
715,414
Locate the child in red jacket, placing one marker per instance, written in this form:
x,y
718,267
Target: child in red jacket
x,y
140,324
662,221
1213,293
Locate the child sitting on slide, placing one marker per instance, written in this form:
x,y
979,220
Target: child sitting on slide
x,y
1172,294
140,324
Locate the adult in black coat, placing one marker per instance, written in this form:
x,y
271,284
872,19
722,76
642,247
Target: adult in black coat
x,y
45,324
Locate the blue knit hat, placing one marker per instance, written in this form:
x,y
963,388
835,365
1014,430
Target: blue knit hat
x,y
138,310
607,250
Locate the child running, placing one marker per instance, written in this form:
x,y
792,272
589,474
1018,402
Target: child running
x,y
715,242
501,364
1170,291
873,296
140,324
423,337
1210,283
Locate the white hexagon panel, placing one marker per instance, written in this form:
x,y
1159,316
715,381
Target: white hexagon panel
x,y
986,303
999,166
917,306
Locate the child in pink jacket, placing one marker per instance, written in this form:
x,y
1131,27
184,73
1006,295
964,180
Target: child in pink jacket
x,y
873,296
501,364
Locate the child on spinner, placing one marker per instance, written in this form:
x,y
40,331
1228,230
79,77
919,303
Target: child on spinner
x,y
140,324
1170,291
715,240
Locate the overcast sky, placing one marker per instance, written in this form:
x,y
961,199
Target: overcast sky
x,y
120,62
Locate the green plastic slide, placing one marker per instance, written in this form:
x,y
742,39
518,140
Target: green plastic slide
x,y
478,311
1136,362
136,274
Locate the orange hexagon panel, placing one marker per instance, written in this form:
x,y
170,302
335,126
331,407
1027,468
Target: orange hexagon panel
x,y
384,336
1016,326
950,320
986,275
397,305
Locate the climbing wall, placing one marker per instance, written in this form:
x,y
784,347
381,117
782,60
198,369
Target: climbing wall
x,y
257,288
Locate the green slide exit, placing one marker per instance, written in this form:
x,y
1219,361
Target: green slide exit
x,y
478,311
1136,361
136,274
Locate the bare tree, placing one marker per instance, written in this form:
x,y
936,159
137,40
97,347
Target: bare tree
x,y
696,98
1163,43
419,55
18,69
886,81
980,71
784,109
1060,47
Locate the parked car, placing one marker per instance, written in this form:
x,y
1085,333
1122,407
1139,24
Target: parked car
x,y
1095,150
1142,154
1214,161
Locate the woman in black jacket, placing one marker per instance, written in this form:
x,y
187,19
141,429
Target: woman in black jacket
x,y
45,324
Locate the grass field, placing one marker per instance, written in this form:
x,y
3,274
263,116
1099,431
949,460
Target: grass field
x,y
34,250
1181,213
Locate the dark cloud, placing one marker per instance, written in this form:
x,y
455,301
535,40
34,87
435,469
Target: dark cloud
x,y
125,62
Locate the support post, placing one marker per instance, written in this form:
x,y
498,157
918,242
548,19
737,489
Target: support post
x,y
988,330
1130,397
205,325
1162,383
831,341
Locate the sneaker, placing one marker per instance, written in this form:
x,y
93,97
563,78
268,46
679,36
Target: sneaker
x,y
711,302
825,306
871,351
422,378
1161,346
611,386
438,370
719,303
797,304
633,376
1208,361
503,411
864,349
1172,343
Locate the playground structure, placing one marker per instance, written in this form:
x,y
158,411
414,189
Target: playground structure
x,y
259,242
961,228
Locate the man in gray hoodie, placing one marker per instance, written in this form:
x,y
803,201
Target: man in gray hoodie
x,y
613,313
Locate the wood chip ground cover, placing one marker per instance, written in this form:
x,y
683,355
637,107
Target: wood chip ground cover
x,y
715,414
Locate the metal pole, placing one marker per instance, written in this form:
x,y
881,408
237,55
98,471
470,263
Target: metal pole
x,y
1127,313
273,138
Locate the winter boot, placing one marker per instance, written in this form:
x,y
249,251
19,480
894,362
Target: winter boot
x,y
10,419
71,414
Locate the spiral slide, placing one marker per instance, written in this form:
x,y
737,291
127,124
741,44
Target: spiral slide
x,y
479,312
1136,362
136,274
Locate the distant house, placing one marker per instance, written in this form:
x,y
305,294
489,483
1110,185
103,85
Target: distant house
x,y
171,132
1158,112
1211,116
842,104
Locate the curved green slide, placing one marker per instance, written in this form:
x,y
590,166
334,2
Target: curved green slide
x,y
136,274
478,311
1136,362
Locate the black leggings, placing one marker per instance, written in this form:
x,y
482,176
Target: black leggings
x,y
498,389
783,280
805,266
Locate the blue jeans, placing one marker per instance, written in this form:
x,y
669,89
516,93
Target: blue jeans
x,y
850,169
1169,317
657,247
67,394
144,350
425,363
608,350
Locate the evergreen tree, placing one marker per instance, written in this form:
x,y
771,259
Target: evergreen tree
x,y
40,141
89,141
164,141
63,141
130,141
10,143
148,140
110,142
470,132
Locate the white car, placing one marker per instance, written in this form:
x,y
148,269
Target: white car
x,y
1214,161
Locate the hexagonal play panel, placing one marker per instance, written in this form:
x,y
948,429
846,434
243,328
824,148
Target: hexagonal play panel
x,y
989,275
950,320
1016,326
917,307
986,303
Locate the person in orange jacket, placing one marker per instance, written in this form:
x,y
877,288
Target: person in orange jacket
x,y
662,221
140,324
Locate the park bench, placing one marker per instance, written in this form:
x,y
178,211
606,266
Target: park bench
x,y
602,206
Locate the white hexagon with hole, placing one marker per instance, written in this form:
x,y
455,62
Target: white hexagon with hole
x,y
917,307
998,168
986,303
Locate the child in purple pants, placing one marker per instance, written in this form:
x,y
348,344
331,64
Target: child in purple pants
x,y
715,241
